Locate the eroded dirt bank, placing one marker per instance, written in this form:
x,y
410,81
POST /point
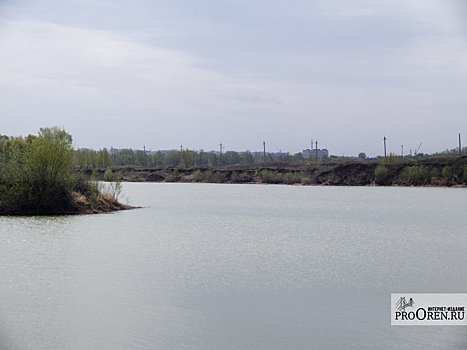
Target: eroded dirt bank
x,y
443,172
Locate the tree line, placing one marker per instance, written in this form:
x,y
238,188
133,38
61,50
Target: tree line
x,y
185,158
92,159
188,158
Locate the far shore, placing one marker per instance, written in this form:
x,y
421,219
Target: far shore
x,y
431,172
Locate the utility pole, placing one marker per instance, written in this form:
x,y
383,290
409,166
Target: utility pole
x,y
264,151
460,148
316,152
402,154
385,146
312,144
181,156
220,161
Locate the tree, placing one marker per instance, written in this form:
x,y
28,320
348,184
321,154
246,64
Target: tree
x,y
11,145
159,158
311,159
201,158
325,159
173,158
37,177
297,158
56,133
91,158
231,157
106,158
361,155
214,159
187,157
3,139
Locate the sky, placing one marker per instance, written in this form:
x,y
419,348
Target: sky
x,y
162,74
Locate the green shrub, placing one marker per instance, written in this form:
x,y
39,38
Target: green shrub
x,y
236,177
289,178
464,174
197,176
446,173
381,173
292,178
434,173
173,176
416,174
94,174
266,176
38,178
271,177
108,175
219,177
113,187
391,158
208,176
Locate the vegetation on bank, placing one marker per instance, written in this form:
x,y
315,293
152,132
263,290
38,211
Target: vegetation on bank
x,y
427,172
37,177
44,174
104,158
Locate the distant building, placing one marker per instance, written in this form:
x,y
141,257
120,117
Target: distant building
x,y
314,152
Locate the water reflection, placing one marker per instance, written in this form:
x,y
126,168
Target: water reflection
x,y
231,267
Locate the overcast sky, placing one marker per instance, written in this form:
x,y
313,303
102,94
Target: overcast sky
x,y
164,73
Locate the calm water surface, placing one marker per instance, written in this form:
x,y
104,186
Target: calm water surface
x,y
234,267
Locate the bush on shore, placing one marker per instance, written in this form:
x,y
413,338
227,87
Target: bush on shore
x,y
37,177
446,172
381,173
416,174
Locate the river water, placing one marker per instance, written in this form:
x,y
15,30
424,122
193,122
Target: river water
x,y
210,266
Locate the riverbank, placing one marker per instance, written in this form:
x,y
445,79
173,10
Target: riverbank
x,y
439,172
37,178
86,197
81,205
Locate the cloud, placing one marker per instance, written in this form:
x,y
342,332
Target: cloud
x,y
118,117
238,72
